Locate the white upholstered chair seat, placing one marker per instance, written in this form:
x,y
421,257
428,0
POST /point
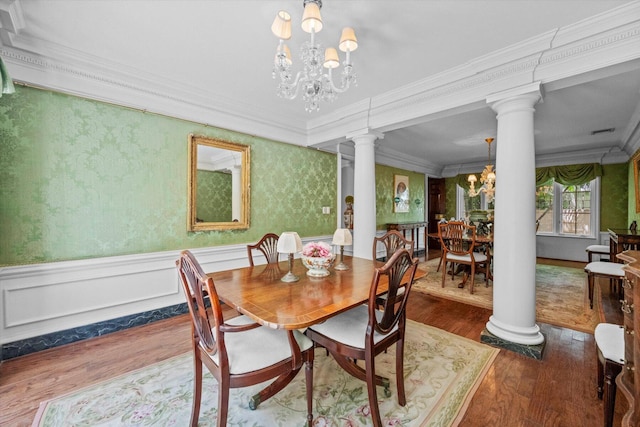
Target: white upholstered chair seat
x,y
479,257
350,327
610,341
258,348
598,249
605,268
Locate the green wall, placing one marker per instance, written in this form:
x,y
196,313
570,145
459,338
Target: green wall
x,y
84,179
614,195
632,215
385,194
214,196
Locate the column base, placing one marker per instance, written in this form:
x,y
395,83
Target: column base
x,y
533,351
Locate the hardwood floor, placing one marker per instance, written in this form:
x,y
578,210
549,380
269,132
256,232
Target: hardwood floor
x,y
518,391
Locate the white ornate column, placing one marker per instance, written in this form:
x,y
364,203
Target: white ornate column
x,y
513,323
236,193
364,192
346,188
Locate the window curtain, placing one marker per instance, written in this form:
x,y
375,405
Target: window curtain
x,y
569,175
565,175
5,80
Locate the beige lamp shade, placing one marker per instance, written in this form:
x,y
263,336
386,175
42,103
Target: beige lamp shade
x,y
283,48
472,178
281,26
311,19
348,40
491,176
342,237
331,59
289,242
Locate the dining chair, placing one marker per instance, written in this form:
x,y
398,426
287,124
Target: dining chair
x,y
268,245
608,270
392,240
458,241
597,249
610,354
364,331
238,351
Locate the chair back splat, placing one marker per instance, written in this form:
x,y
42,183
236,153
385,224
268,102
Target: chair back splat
x,y
238,351
364,332
392,240
268,245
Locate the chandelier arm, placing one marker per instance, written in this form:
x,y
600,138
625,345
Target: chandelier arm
x,y
295,84
341,89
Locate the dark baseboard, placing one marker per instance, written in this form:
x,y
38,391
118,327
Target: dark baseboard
x,y
55,339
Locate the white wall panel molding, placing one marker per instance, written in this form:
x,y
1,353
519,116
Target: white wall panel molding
x,y
43,298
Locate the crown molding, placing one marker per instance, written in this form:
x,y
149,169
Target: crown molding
x,y
605,40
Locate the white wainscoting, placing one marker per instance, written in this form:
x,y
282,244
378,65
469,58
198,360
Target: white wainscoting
x,y
567,248
44,298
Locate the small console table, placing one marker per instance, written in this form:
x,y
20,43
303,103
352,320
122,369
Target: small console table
x,y
622,239
415,231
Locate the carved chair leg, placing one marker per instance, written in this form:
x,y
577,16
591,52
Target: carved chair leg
x,y
197,391
371,390
611,371
600,375
223,401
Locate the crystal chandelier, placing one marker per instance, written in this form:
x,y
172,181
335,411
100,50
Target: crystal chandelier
x,y
315,85
488,179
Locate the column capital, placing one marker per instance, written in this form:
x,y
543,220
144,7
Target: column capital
x,y
365,134
533,92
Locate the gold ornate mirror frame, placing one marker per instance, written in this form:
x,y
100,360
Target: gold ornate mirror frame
x,y
231,159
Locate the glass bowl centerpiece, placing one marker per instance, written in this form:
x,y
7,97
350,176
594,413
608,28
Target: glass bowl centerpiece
x,y
317,257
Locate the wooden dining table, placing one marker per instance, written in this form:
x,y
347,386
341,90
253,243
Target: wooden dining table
x,y
258,292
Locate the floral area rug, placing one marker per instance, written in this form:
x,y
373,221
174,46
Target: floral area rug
x,y
561,294
442,371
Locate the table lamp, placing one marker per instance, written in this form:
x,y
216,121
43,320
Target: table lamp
x,y
289,243
342,237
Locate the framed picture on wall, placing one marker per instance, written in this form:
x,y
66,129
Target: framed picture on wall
x,y
401,193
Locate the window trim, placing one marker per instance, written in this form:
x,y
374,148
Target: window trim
x,y
594,225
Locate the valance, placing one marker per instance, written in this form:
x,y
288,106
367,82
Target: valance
x,y
569,174
565,175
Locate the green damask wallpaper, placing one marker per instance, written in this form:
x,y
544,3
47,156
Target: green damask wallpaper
x,y
213,196
632,215
385,194
83,179
613,196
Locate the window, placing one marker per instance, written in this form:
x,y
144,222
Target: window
x,y
468,204
567,210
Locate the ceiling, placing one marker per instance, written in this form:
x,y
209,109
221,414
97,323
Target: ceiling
x,y
217,56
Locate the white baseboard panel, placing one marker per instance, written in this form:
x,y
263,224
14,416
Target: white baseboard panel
x,y
567,248
43,298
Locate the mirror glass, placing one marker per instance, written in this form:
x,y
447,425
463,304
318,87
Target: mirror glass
x,y
218,184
